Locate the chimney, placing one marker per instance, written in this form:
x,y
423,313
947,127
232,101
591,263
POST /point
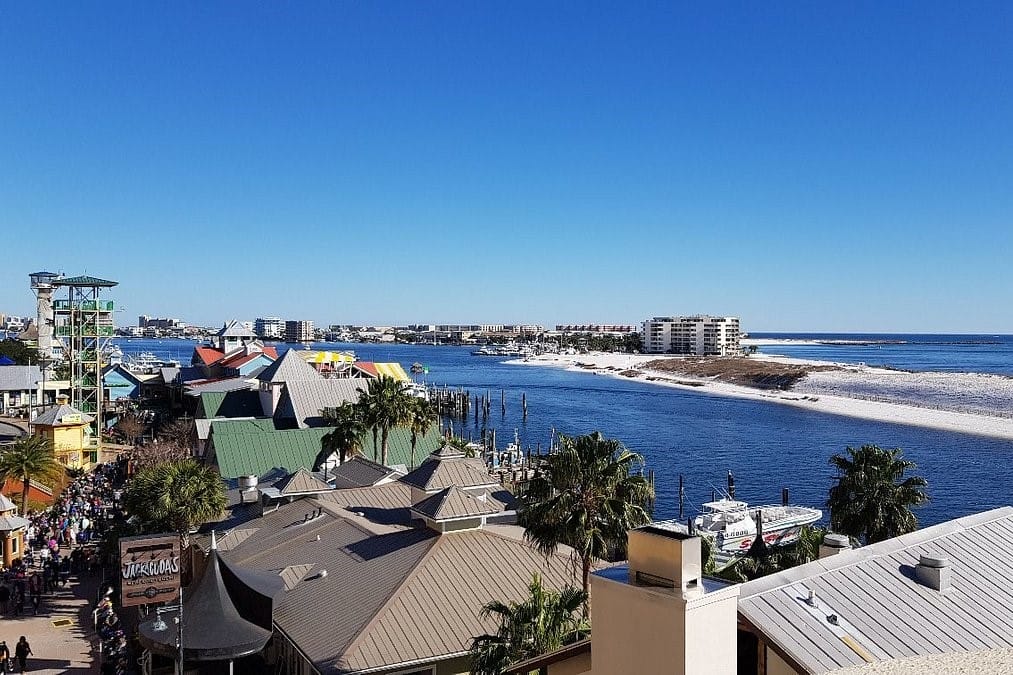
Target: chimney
x,y
934,571
662,593
660,557
834,544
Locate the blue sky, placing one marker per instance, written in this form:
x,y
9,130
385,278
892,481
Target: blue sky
x,y
807,166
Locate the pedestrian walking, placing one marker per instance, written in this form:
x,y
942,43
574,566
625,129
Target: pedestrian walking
x,y
22,650
5,598
5,658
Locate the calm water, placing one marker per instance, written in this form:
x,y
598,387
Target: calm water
x,y
768,446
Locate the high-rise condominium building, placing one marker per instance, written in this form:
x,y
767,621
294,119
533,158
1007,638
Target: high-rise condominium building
x,y
269,327
692,335
298,331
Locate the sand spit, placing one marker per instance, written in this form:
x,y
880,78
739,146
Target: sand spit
x,y
833,388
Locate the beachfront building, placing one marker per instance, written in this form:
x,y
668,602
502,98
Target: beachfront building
x,y
298,331
699,335
12,532
596,328
269,328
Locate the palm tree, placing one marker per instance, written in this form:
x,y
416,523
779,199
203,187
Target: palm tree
x,y
177,496
542,622
30,458
872,500
584,496
346,437
385,402
421,417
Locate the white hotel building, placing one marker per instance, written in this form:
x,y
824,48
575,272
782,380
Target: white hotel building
x,y
692,335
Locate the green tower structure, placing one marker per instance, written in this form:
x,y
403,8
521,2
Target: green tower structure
x,y
84,322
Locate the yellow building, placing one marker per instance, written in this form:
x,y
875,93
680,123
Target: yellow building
x,y
12,531
68,429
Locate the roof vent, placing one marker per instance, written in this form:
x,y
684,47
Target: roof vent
x,y
834,544
934,571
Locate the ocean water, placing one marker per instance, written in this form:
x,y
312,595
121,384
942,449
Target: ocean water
x,y
701,436
921,352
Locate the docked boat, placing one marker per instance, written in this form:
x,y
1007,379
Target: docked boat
x,y
731,524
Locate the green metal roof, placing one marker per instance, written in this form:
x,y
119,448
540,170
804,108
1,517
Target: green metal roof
x,y
399,446
238,403
84,281
245,453
246,447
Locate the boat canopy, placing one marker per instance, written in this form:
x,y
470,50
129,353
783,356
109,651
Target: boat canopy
x,y
725,505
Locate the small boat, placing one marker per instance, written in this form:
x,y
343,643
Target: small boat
x,y
418,369
731,524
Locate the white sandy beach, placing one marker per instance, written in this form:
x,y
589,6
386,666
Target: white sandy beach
x,y
806,395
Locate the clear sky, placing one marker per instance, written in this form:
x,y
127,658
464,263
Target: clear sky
x,y
806,166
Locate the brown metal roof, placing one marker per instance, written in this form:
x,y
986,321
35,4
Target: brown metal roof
x,y
392,593
453,502
438,472
301,482
435,614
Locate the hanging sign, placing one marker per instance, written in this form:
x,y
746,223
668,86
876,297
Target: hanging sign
x,y
149,569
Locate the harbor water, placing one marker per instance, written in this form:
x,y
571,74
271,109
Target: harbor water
x,y
701,436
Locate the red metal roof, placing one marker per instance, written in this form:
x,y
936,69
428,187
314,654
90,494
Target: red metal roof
x,y
208,355
367,367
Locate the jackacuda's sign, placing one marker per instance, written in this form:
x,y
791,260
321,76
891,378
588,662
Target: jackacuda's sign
x,y
149,569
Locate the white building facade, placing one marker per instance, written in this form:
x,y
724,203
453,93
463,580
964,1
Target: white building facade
x,y
269,327
692,335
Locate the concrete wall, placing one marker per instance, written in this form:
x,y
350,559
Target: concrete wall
x,y
578,665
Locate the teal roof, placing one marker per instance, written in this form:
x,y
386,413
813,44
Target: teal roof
x,y
242,450
236,403
84,281
254,447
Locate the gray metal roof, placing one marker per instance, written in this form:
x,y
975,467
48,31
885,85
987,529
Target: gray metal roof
x,y
289,367
235,329
19,378
228,384
53,416
881,607
303,400
359,472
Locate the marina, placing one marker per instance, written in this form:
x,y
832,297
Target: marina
x,y
695,433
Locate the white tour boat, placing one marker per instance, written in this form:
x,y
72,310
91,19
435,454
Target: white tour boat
x,y
731,524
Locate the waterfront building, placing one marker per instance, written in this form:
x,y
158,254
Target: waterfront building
x,y
269,328
43,284
234,335
389,578
298,331
596,328
699,335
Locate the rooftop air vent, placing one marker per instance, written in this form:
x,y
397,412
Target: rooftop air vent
x,y
934,571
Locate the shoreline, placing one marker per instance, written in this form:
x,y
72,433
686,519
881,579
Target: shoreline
x,y
615,364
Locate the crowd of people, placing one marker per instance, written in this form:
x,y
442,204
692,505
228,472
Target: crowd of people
x,y
61,542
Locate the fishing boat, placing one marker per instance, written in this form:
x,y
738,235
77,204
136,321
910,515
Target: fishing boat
x,y
732,524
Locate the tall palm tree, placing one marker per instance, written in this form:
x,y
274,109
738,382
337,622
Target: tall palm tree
x,y
421,418
872,499
386,404
346,437
586,497
177,496
542,622
30,458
